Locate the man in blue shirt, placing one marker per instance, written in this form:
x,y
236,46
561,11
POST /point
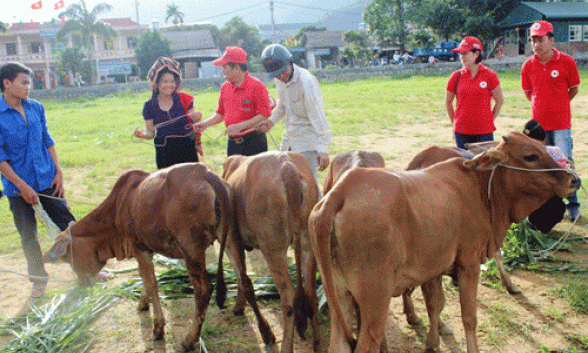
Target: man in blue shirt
x,y
29,166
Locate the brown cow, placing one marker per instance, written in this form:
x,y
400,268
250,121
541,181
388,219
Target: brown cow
x,y
172,212
352,159
274,193
435,154
380,232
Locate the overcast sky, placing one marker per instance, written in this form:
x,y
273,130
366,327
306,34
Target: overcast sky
x,y
214,11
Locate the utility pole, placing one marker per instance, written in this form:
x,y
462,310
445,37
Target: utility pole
x,y
138,23
273,22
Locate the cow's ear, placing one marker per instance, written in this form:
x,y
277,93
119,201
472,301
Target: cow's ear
x,y
486,160
57,251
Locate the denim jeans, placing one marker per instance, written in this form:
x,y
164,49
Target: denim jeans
x,y
563,140
462,139
26,224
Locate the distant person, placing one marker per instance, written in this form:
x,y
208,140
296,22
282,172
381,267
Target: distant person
x,y
396,58
29,167
243,103
474,86
300,104
376,60
168,115
431,60
550,80
407,58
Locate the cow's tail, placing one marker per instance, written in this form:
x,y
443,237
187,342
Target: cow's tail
x,y
321,223
223,197
294,196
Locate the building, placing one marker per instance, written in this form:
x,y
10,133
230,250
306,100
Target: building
x,y
323,48
570,24
194,49
34,45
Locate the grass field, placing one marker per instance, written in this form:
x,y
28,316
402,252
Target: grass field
x,y
396,116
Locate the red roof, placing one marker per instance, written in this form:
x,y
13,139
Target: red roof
x,y
25,25
120,22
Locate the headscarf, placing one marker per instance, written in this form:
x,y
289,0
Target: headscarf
x,y
161,63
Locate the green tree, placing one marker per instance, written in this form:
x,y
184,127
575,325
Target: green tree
x,y
445,18
355,51
2,26
173,12
387,21
71,59
151,46
85,24
423,38
238,33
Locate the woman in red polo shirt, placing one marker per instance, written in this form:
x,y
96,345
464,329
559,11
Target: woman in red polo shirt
x,y
474,86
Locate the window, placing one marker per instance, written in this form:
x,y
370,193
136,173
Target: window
x,y
36,48
10,48
575,33
108,45
132,42
585,34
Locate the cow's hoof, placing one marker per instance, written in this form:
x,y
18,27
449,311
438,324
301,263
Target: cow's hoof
x,y
158,332
414,320
143,306
188,346
271,348
513,289
238,311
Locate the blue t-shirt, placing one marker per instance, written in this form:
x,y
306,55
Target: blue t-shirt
x,y
151,111
23,145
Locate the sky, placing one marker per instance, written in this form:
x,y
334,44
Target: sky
x,y
217,12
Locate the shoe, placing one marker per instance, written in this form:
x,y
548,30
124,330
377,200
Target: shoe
x,y
38,292
574,214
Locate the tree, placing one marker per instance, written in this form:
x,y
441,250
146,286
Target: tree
x,y
151,46
238,33
84,23
2,26
355,51
446,18
387,21
71,59
173,11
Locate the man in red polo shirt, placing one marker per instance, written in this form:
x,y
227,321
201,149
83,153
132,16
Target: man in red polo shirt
x,y
550,81
243,103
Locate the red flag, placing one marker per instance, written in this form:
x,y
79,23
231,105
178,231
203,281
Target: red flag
x,y
59,5
37,5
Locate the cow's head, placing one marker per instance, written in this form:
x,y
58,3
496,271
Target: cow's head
x,y
79,252
528,168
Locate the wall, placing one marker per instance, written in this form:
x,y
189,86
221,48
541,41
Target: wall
x,y
323,76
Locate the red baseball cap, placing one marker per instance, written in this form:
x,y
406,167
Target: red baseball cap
x,y
467,44
232,55
541,28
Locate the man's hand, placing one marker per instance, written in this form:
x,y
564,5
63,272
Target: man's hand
x,y
233,130
322,160
28,194
264,126
199,126
58,184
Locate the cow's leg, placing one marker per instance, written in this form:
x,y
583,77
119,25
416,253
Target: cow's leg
x,y
373,313
337,342
435,301
310,268
408,308
236,254
278,265
145,299
504,277
203,289
468,277
151,290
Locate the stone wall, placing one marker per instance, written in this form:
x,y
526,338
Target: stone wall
x,y
332,75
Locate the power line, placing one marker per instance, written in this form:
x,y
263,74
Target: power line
x,y
232,12
317,8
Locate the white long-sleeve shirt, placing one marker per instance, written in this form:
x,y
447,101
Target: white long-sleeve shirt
x,y
301,103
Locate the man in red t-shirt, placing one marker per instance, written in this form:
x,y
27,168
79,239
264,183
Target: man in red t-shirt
x,y
550,81
243,103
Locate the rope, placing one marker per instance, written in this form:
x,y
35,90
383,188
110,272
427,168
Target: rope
x,y
559,243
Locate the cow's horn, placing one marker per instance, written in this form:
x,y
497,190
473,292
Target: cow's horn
x,y
505,138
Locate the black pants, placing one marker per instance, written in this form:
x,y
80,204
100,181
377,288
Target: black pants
x,y
176,150
26,224
248,145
